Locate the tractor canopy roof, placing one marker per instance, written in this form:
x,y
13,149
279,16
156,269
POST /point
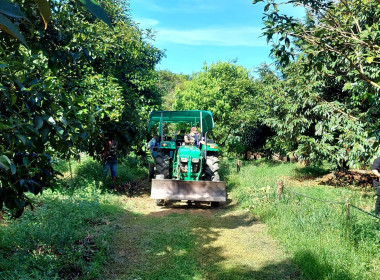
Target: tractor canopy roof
x,y
191,117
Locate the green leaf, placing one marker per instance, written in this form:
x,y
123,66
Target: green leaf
x,y
266,8
269,37
25,161
370,59
3,166
287,42
59,130
22,138
347,86
39,122
7,26
5,163
64,121
13,169
97,11
11,10
13,97
318,128
45,134
4,126
51,120
44,7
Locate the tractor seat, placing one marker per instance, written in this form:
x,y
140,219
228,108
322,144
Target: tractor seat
x,y
179,140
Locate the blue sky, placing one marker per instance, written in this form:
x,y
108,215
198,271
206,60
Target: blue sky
x,y
197,31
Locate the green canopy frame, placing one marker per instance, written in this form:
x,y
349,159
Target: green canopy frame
x,y
204,118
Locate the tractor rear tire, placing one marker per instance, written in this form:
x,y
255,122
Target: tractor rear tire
x,y
212,169
163,165
214,204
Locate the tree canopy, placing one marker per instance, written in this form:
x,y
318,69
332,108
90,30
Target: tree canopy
x,y
326,103
74,72
226,89
68,87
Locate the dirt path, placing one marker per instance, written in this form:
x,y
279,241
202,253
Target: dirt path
x,y
182,242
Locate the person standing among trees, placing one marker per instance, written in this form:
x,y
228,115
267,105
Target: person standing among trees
x,y
376,171
110,158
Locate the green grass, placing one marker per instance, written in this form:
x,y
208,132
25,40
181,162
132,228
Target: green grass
x,y
64,236
166,249
68,234
192,243
71,230
322,242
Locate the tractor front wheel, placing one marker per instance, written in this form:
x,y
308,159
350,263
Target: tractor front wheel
x,y
163,165
212,169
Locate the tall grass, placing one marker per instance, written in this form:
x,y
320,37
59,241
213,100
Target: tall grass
x,y
67,235
322,241
78,174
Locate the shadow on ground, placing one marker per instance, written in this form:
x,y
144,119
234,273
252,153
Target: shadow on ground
x,y
310,173
196,242
314,269
203,243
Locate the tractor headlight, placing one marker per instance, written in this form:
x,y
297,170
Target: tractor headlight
x,y
164,145
184,160
195,160
212,146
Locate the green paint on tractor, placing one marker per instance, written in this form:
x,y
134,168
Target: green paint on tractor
x,y
177,161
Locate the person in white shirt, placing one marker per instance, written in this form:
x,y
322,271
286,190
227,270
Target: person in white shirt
x,y
153,142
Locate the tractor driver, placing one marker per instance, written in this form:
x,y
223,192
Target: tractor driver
x,y
193,137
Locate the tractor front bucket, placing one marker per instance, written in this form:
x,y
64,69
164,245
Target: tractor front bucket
x,y
188,190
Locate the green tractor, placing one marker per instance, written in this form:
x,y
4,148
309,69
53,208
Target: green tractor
x,y
185,171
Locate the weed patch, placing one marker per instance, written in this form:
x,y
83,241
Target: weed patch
x,y
323,243
64,238
68,234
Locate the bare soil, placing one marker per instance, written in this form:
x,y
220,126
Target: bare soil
x,y
358,178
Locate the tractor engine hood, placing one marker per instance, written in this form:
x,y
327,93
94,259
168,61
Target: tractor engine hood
x,y
189,152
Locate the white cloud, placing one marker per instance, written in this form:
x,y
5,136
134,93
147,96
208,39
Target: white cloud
x,y
243,36
146,22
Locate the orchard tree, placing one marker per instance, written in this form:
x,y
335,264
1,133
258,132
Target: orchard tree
x,y
340,38
71,80
227,90
310,127
328,104
169,83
